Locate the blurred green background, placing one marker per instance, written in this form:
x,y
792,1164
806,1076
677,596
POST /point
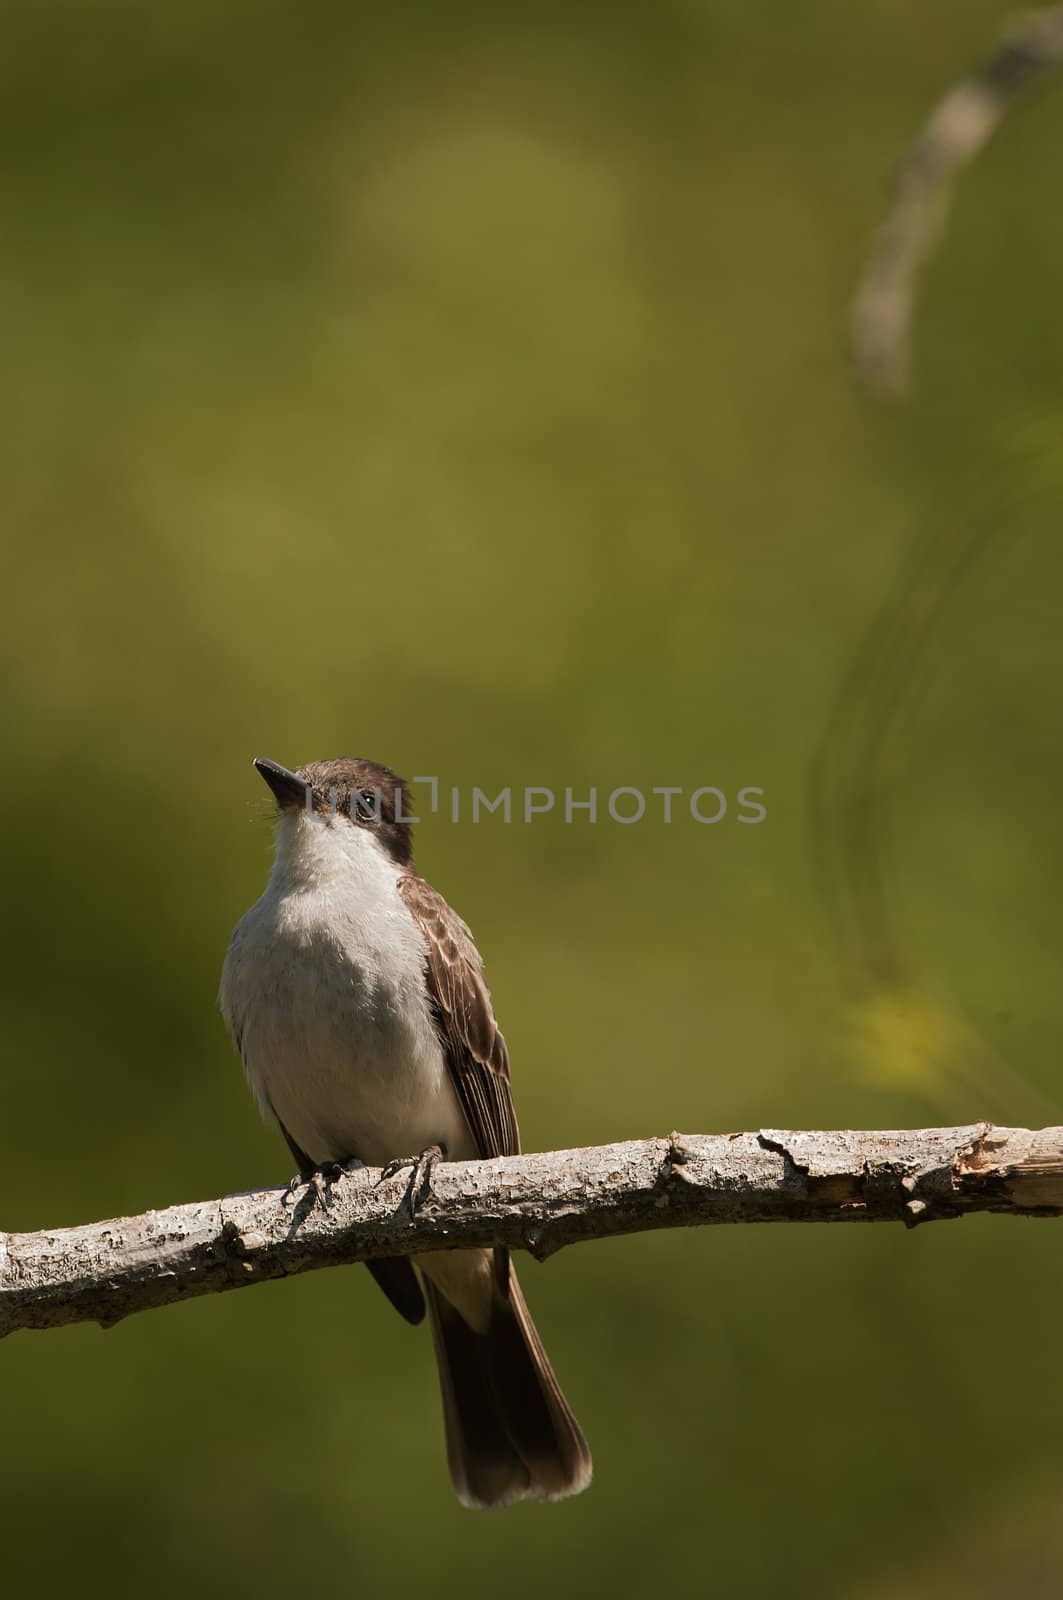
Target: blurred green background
x,y
469,389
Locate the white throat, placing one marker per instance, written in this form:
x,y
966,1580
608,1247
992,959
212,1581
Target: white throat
x,y
329,854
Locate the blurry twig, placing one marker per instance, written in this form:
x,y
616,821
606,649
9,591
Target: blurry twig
x,y
847,792
105,1271
849,816
957,129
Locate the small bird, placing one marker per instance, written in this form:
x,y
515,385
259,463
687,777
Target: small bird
x,y
356,999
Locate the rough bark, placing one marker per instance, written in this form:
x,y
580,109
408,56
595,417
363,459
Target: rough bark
x,y
104,1271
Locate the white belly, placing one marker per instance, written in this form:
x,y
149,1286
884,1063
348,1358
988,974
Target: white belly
x,y
325,995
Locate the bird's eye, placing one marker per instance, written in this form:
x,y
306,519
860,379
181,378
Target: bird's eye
x,y
368,804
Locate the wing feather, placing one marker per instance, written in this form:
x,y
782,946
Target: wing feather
x,y
475,1049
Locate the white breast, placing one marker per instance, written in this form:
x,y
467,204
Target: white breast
x,y
324,992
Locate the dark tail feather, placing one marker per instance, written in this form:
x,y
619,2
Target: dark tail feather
x,y
510,1433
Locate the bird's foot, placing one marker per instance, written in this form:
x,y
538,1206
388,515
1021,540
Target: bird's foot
x,y
320,1180
417,1190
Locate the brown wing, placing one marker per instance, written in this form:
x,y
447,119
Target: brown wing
x,y
475,1049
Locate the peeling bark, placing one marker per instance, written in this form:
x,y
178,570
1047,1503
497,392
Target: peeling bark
x,y
104,1271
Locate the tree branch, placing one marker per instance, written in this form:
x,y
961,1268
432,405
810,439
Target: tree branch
x,y
956,130
105,1271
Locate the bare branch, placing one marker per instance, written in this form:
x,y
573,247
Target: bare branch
x,y
957,129
105,1271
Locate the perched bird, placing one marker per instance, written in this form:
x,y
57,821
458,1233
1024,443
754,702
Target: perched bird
x,y
356,999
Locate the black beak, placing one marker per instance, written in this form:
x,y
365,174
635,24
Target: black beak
x,y
288,788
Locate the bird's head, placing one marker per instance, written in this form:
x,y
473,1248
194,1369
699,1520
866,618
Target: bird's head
x,y
347,794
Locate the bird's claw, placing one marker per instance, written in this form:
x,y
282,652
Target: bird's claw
x,y
319,1181
417,1190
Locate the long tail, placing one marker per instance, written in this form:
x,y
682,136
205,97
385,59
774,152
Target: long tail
x,y
510,1433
